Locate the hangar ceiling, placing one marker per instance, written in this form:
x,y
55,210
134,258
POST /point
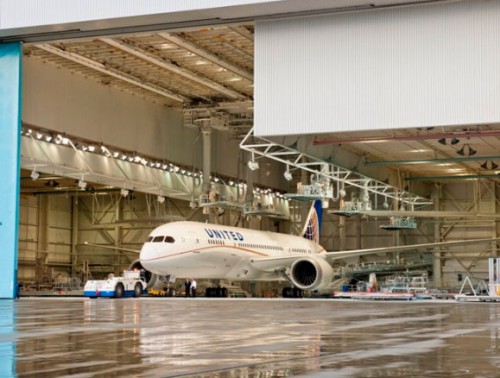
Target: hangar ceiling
x,y
208,73
202,71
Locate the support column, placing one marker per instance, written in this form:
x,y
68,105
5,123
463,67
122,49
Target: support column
x,y
437,263
494,223
74,235
342,234
249,193
207,157
10,124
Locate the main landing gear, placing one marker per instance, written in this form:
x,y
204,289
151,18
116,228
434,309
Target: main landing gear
x,y
216,292
292,292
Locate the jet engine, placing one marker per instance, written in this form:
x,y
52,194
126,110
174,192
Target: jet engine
x,y
311,273
153,281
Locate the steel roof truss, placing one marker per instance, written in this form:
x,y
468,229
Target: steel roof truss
x,y
77,58
173,68
327,170
184,43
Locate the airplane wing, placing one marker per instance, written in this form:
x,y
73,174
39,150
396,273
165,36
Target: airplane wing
x,y
271,264
277,263
330,256
114,248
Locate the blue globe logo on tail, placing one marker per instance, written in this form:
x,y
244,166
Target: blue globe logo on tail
x,y
312,226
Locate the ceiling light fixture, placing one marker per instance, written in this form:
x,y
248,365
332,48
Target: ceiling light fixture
x,y
35,175
124,192
466,150
252,164
82,184
52,183
453,141
489,165
288,176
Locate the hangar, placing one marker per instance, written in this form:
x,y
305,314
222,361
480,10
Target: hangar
x,y
128,122
117,119
131,118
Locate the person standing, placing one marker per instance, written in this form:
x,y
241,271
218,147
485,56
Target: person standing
x,y
193,287
187,287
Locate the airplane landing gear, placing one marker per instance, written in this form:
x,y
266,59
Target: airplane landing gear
x,y
292,292
216,292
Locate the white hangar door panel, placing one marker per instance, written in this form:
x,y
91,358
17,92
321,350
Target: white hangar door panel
x,y
428,65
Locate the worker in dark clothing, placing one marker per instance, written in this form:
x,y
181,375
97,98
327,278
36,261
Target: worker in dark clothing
x,y
187,287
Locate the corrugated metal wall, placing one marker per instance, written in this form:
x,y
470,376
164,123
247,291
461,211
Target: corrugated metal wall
x,y
426,65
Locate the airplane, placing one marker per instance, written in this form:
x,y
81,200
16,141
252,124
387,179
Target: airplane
x,y
209,251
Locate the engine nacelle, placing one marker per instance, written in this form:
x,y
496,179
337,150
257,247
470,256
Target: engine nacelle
x,y
153,281
311,273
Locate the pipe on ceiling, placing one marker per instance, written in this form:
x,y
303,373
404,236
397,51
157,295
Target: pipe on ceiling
x,y
476,134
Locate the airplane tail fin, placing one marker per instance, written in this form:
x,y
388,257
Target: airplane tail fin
x,y
312,225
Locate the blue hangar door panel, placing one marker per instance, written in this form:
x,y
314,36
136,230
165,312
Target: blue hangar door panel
x,y
10,124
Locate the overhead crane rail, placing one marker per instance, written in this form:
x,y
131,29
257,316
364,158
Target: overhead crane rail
x,y
324,170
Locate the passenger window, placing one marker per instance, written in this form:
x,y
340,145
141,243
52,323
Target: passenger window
x,y
158,239
170,239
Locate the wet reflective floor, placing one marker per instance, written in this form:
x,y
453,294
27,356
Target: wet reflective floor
x,y
178,337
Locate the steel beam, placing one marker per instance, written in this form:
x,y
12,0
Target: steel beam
x,y
433,161
457,177
205,54
80,59
294,158
173,68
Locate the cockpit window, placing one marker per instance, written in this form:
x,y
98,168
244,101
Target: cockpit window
x,y
149,239
169,239
158,239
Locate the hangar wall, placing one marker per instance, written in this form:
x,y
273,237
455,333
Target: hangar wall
x,y
66,102
427,65
59,100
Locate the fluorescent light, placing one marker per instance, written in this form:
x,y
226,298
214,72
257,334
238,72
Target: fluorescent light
x,y
165,46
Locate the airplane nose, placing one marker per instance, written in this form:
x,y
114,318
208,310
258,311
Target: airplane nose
x,y
145,254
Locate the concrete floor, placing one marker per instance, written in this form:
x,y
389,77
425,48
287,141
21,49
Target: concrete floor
x,y
172,337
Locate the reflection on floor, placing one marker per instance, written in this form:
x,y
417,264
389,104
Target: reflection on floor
x,y
171,337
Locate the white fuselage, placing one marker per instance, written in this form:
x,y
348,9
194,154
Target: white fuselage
x,y
202,250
